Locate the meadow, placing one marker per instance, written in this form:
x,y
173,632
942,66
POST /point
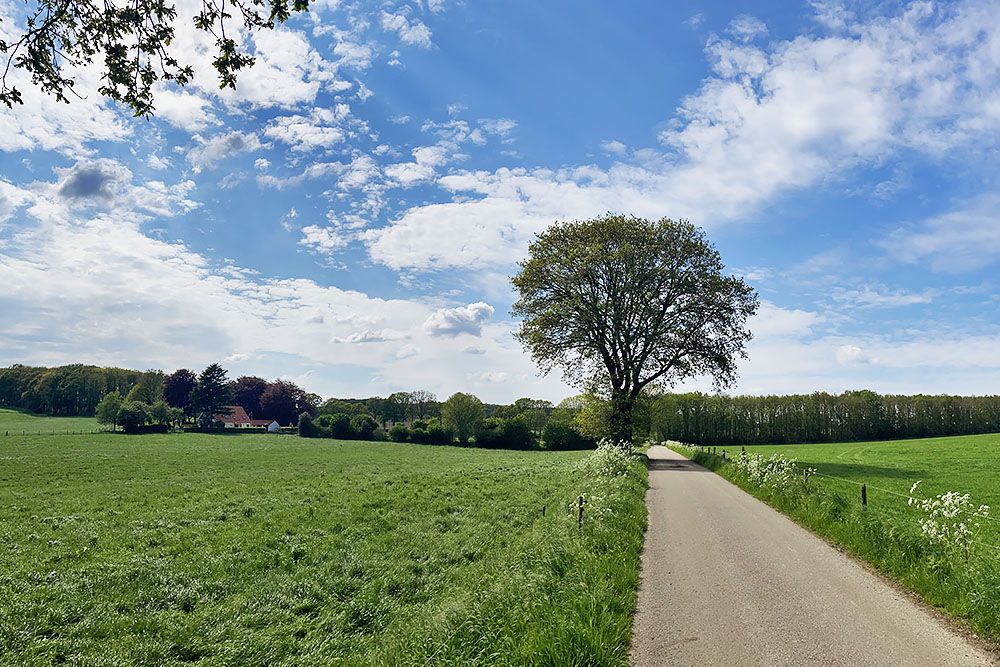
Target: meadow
x,y
19,422
264,549
965,582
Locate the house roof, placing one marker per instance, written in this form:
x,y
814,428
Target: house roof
x,y
235,415
261,422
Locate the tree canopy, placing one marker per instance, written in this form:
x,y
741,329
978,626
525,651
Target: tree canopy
x,y
462,413
623,303
133,42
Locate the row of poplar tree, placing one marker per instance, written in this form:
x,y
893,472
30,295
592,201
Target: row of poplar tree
x,y
709,419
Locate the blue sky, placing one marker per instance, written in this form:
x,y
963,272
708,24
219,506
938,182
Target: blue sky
x,y
349,216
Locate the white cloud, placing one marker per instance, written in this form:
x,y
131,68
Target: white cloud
x,y
220,147
831,14
848,355
614,147
875,296
410,32
498,126
183,109
462,320
305,133
154,161
745,27
960,240
288,220
323,240
370,336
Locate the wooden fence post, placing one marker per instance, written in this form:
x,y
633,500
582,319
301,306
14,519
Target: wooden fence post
x,y
579,513
864,496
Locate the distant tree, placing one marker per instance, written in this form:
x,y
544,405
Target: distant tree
x,y
462,413
347,406
176,416
160,413
148,389
306,427
336,426
423,402
364,426
398,407
282,401
247,390
628,303
558,436
212,395
107,410
178,387
399,433
500,433
132,416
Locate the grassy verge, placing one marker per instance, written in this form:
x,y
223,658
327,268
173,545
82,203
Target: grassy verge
x,y
964,583
179,549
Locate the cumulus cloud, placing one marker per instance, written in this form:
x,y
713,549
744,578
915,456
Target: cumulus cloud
x,y
101,179
210,152
304,133
324,240
461,320
370,336
410,32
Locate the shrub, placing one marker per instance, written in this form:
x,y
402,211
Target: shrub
x,y
132,416
307,429
561,436
399,433
430,433
335,426
364,426
497,433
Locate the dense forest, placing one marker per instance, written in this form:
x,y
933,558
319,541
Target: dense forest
x,y
707,419
72,391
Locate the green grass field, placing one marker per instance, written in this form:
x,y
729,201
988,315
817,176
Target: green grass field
x,y
968,464
256,549
16,422
964,583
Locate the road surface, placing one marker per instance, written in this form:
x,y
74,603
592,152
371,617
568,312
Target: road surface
x,y
726,580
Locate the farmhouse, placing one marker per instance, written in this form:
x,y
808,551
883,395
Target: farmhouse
x,y
237,417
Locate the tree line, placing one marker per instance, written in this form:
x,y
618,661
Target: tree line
x,y
708,419
74,390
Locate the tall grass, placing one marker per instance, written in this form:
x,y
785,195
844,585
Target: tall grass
x,y
179,549
966,585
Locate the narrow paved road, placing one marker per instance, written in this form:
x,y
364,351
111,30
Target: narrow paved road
x,y
726,580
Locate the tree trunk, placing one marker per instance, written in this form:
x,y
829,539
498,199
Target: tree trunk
x,y
620,422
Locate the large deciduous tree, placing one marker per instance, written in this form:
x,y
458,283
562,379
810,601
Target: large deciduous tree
x,y
247,390
132,40
284,401
177,389
463,413
623,303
